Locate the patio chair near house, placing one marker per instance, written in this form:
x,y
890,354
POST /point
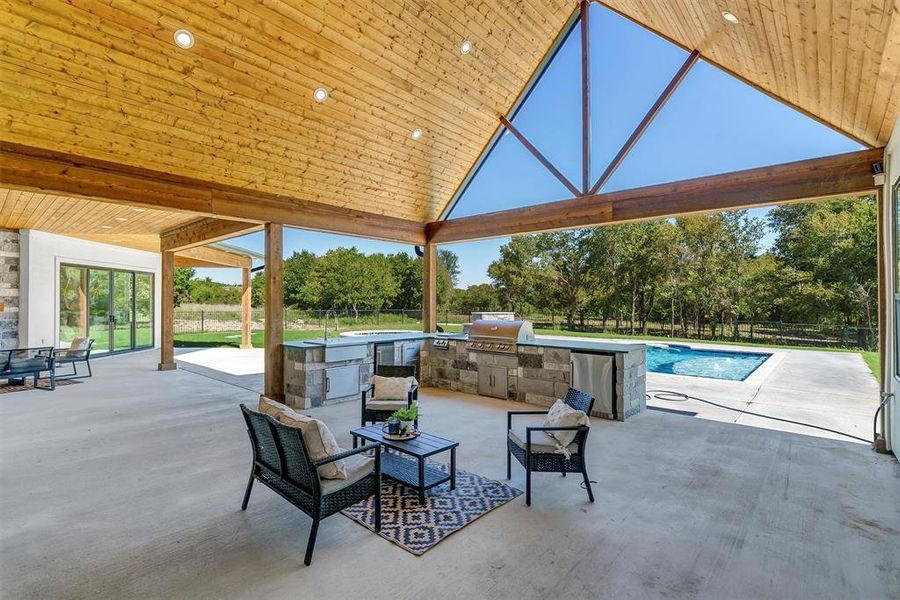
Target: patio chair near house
x,y
539,452
282,462
382,398
78,352
21,363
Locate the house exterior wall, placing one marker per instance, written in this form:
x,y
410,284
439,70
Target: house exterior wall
x,y
892,174
9,289
42,254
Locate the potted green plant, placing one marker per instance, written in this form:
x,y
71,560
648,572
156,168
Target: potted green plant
x,y
406,416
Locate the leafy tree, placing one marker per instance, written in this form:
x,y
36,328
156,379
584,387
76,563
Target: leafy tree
x,y
479,297
184,284
297,269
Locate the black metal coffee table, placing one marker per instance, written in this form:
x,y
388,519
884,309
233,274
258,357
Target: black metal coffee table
x,y
405,471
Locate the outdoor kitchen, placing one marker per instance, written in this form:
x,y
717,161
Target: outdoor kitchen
x,y
498,358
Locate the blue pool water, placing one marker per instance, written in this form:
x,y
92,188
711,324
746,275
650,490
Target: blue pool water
x,y
716,364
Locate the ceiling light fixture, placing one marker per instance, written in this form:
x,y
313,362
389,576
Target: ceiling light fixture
x,y
121,218
466,47
138,209
320,95
184,38
106,227
416,133
730,17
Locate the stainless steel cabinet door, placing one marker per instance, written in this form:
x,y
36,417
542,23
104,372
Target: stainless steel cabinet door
x,y
492,381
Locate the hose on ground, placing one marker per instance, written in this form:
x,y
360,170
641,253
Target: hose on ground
x,y
671,396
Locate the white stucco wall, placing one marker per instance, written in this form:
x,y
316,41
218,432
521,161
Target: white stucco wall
x,y
42,254
892,174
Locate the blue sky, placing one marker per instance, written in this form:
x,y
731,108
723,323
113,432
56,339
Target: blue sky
x,y
712,124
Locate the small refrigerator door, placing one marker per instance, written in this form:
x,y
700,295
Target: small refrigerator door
x,y
384,355
593,374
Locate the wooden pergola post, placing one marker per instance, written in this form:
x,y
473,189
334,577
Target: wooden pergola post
x,y
429,289
167,322
245,308
274,312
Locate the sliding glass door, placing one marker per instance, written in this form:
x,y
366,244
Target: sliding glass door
x,y
114,308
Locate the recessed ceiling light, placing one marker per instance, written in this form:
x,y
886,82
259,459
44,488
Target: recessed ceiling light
x,y
139,209
416,133
184,38
730,17
320,95
121,218
106,227
466,47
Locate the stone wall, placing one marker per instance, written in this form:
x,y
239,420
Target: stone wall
x,y
9,289
304,376
536,374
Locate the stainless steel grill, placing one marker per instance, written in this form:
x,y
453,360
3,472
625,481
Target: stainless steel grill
x,y
499,336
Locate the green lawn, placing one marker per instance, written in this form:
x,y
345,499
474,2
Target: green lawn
x,y
873,360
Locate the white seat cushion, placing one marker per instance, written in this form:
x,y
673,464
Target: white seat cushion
x,y
541,443
392,388
357,467
319,440
386,404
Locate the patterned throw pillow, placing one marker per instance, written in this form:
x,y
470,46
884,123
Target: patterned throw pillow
x,y
563,415
319,440
392,388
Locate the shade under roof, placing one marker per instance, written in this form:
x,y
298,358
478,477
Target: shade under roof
x,y
237,108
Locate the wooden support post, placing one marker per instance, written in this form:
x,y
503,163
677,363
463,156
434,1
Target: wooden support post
x,y
585,97
274,312
167,322
429,289
245,309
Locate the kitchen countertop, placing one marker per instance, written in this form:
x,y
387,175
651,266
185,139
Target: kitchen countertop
x,y
547,342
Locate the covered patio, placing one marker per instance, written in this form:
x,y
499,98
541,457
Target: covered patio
x,y
140,136
138,495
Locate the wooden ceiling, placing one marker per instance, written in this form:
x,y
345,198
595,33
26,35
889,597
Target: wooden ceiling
x,y
88,219
104,80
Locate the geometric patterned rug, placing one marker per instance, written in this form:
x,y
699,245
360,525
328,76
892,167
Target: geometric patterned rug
x,y
44,384
419,527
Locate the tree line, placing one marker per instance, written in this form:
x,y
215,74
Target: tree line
x,y
690,272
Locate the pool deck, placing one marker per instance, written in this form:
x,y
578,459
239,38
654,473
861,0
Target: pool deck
x,y
835,390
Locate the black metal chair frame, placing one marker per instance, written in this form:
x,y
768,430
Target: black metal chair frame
x,y
374,416
64,356
11,372
282,463
543,462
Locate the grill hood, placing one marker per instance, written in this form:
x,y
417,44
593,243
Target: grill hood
x,y
499,336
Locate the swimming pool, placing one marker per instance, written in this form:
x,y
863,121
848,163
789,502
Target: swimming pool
x,y
715,364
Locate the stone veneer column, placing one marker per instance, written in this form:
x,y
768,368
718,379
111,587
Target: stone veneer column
x,y
9,289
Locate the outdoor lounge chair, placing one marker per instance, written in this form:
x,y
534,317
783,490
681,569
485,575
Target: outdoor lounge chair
x,y
22,362
282,463
536,450
376,409
78,352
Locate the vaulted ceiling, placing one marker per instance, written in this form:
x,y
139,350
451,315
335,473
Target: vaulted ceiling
x,y
104,80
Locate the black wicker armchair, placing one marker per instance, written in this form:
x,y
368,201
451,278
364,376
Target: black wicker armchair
x,y
78,353
281,462
374,410
536,451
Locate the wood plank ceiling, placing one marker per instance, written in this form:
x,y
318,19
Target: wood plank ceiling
x,y
88,219
104,79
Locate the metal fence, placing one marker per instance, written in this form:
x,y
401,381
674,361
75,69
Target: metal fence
x,y
752,332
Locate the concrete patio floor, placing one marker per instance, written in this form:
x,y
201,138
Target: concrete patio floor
x,y
129,485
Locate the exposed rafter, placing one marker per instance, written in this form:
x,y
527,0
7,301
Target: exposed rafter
x,y
203,231
205,256
818,178
35,169
540,157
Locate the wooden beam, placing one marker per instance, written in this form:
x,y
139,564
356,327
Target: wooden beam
x,y
167,318
648,118
429,289
818,178
585,96
540,157
203,231
246,310
46,171
204,256
274,312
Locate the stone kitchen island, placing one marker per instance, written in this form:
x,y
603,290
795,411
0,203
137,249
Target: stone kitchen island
x,y
540,371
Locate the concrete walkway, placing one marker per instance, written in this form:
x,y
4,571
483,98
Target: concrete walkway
x,y
129,484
